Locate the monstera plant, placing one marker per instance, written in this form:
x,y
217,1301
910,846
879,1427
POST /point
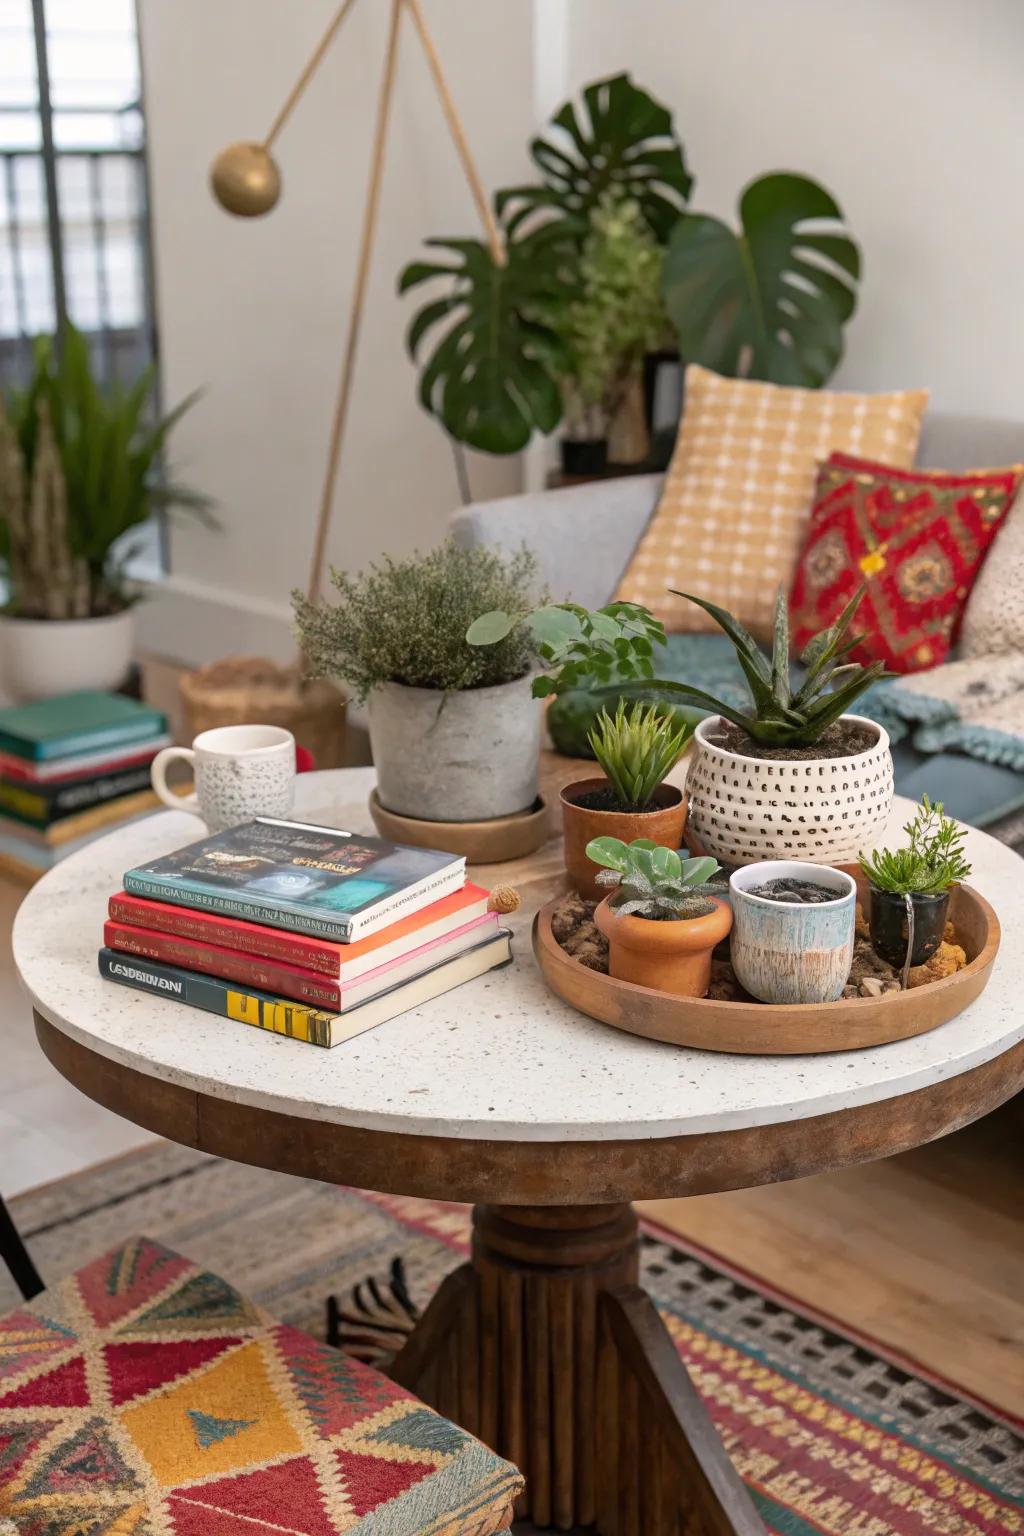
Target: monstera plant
x,y
769,301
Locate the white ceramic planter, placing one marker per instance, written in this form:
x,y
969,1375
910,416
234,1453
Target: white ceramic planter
x,y
462,756
824,810
784,952
43,657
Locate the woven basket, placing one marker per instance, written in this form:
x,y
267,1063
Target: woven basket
x,y
248,690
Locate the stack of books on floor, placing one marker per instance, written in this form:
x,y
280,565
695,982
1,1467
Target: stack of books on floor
x,y
306,931
71,768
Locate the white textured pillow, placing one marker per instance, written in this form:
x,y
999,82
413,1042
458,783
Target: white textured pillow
x,y
993,623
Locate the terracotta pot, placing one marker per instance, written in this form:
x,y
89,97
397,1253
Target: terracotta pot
x,y
668,956
664,823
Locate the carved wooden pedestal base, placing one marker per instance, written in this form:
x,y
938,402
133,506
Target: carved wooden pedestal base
x,y
546,1348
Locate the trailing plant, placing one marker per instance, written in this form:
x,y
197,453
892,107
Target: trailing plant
x,y
405,621
652,882
79,469
932,861
579,645
770,301
636,749
782,716
617,318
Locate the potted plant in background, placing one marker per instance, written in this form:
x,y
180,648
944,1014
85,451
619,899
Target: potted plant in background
x,y
793,931
637,749
78,471
908,888
454,729
660,924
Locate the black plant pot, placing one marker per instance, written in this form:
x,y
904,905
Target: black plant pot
x,y
888,919
584,456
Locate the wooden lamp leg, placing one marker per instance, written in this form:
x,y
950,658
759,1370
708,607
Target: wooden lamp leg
x,y
545,1347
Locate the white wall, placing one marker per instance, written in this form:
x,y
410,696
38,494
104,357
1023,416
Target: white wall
x,y
254,312
911,112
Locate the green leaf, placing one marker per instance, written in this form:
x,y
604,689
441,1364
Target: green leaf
x,y
611,852
699,871
555,626
666,864
489,628
770,301
618,139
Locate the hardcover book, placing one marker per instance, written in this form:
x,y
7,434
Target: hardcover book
x,y
292,981
71,829
76,722
40,805
83,765
344,962
316,880
299,1020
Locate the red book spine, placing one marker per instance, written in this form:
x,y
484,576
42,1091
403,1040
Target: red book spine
x,y
232,932
227,964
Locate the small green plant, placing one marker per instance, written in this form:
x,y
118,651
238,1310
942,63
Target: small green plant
x,y
636,749
652,881
782,717
79,469
580,646
617,318
932,861
405,621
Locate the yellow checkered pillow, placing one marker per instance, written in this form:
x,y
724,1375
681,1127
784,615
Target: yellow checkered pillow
x,y
737,496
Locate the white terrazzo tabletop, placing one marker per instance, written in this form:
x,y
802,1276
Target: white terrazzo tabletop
x,y
500,1057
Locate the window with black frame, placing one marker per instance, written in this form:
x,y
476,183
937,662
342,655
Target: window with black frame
x,y
73,197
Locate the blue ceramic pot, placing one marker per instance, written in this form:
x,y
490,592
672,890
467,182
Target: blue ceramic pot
x,y
784,952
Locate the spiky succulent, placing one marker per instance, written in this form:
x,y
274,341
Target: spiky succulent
x,y
932,861
653,882
782,716
637,748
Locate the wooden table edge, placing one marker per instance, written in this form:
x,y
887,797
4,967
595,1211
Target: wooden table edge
x,y
509,1172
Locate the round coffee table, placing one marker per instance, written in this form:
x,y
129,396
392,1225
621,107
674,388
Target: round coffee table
x,y
551,1124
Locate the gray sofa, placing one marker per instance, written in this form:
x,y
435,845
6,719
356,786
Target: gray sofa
x,y
584,535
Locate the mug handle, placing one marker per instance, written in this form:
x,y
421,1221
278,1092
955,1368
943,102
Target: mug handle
x,y
158,775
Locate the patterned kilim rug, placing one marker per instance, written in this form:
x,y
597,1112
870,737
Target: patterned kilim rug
x,y
833,1437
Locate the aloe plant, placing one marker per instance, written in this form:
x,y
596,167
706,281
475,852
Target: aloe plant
x,y
636,749
652,881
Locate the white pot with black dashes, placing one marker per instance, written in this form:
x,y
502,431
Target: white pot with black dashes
x,y
823,809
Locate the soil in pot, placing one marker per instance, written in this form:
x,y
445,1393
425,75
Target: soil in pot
x,y
890,925
663,822
845,738
793,892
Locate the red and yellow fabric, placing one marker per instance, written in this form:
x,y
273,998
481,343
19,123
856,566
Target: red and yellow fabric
x,y
144,1395
915,538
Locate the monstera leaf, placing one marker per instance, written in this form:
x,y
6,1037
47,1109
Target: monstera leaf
x,y
770,301
492,375
621,140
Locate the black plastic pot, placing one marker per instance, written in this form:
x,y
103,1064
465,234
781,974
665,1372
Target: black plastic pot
x,y
889,922
584,456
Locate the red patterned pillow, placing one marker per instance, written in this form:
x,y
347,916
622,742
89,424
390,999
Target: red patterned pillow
x,y
917,538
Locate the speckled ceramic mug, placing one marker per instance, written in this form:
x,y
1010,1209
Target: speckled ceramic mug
x,y
241,771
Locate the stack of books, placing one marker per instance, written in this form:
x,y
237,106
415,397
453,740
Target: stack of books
x,y
306,931
72,767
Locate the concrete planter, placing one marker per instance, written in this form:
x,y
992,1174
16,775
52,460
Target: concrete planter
x,y
783,952
43,657
460,756
825,810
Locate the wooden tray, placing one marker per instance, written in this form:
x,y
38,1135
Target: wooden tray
x,y
773,1029
482,842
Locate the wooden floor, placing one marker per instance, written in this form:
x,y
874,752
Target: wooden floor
x,y
924,1252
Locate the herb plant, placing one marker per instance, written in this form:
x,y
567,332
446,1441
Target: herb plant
x,y
652,882
405,621
932,861
580,646
636,749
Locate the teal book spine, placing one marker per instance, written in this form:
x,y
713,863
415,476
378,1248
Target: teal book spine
x,y
140,729
274,911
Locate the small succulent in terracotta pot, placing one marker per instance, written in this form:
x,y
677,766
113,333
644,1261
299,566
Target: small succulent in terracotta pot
x,y
636,748
660,922
908,892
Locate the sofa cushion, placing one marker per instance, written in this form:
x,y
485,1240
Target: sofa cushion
x,y
737,495
916,539
144,1394
993,623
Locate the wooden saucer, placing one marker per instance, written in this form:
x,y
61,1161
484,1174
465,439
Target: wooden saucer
x,y
482,842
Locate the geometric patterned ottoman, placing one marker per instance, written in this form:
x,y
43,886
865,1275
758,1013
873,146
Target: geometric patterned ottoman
x,y
144,1396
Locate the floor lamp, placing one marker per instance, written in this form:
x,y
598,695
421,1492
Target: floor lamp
x,y
246,181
